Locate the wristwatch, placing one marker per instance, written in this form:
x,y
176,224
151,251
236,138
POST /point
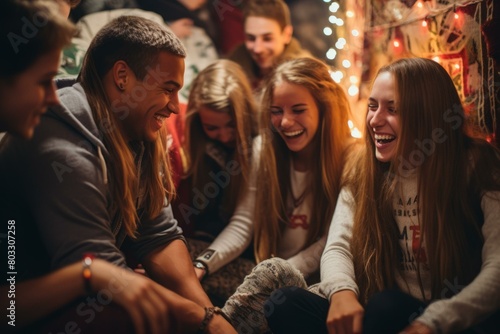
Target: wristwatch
x,y
200,265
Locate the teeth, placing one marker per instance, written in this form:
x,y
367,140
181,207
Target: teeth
x,y
384,137
293,133
160,118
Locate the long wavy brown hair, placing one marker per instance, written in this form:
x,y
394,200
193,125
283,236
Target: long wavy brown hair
x,y
451,182
138,42
330,142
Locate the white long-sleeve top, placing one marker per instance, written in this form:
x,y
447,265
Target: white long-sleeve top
x,y
469,306
236,237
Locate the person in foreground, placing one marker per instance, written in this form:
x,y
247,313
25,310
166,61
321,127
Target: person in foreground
x,y
27,90
413,244
91,184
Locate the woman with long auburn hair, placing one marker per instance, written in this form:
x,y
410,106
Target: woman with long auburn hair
x,y
413,245
298,148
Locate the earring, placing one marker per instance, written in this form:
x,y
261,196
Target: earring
x,y
121,86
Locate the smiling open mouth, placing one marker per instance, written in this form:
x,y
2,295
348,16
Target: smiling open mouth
x,y
160,118
384,139
292,134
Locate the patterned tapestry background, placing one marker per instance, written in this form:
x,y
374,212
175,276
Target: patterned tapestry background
x,y
445,30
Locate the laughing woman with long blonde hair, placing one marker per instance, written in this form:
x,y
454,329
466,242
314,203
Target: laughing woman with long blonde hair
x,y
305,136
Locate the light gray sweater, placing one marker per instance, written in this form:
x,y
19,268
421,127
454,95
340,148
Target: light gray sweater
x,y
468,307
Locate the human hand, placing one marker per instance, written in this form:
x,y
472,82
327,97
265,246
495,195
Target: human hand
x,y
145,301
417,327
345,315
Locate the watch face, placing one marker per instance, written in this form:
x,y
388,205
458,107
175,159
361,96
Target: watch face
x,y
199,265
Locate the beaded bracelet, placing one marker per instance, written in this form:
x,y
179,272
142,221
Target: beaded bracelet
x,y
209,314
87,273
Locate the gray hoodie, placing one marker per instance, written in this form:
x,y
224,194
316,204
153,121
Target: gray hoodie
x,y
56,188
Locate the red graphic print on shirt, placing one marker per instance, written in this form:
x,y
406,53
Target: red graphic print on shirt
x,y
406,212
418,252
296,221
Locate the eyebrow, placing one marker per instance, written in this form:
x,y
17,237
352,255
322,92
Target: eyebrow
x,y
371,99
266,34
293,106
50,75
172,82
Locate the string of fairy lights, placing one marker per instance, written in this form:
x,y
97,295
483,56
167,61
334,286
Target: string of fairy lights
x,y
349,42
341,44
348,30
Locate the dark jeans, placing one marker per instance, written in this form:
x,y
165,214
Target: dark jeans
x,y
294,310
298,311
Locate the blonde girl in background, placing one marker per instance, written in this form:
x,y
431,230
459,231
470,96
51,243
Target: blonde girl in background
x,y
219,148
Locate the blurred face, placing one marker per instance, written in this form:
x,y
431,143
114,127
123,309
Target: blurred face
x,y
182,28
64,7
218,126
192,4
26,98
382,118
152,100
295,115
265,41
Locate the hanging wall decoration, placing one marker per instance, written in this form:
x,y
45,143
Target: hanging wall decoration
x,y
447,31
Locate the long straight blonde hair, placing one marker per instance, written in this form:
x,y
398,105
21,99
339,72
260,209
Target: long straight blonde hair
x,y
138,42
452,177
330,142
221,87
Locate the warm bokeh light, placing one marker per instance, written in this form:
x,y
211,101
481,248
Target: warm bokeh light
x,y
334,7
346,63
353,90
331,54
